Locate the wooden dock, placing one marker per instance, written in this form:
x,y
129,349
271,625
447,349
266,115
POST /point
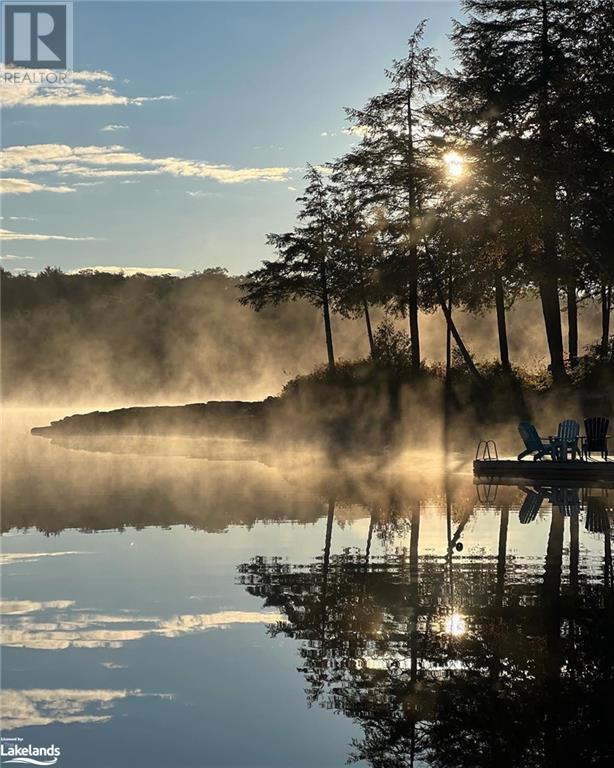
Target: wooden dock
x,y
546,472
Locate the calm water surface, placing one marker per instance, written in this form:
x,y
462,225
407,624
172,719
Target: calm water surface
x,y
165,605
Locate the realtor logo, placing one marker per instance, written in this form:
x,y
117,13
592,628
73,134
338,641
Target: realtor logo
x,y
16,751
37,36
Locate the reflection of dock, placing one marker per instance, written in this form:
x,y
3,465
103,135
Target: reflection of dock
x,y
549,472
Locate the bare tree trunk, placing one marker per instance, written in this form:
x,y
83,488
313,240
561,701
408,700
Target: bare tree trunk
x,y
329,338
572,321
414,329
551,309
448,334
501,323
365,306
365,303
548,284
571,287
441,299
327,324
606,306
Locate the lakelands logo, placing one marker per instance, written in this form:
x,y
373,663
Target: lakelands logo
x,y
12,751
37,36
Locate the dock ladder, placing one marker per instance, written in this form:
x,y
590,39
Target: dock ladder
x,y
487,451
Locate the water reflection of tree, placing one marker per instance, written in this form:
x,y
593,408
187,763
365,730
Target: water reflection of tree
x,y
527,684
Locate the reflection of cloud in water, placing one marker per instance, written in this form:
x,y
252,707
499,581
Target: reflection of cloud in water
x,y
39,706
11,558
90,630
19,607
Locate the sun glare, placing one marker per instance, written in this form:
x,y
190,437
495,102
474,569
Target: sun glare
x,y
455,164
455,625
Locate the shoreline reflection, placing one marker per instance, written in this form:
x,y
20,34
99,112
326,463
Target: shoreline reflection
x,y
458,658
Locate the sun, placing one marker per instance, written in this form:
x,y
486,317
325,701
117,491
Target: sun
x,y
455,164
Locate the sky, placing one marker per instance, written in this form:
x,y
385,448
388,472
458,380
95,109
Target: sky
x,y
183,137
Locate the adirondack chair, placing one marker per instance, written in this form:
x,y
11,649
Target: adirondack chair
x,y
567,439
534,444
596,438
530,506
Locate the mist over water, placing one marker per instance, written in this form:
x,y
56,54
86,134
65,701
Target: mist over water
x,y
204,586
106,340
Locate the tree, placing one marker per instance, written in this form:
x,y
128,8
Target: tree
x,y
301,270
589,171
487,206
356,254
523,49
392,160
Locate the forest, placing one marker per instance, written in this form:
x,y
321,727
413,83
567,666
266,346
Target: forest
x,y
470,188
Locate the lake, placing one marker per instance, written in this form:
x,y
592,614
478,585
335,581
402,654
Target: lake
x,y
189,603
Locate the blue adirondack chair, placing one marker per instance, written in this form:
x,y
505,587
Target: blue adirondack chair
x,y
596,438
567,439
534,444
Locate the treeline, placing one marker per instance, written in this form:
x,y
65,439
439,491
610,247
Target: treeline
x,y
95,337
99,339
468,189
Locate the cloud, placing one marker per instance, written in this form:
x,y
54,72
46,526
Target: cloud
x,y
11,558
39,706
84,88
128,271
79,629
20,607
7,234
201,193
25,187
116,161
12,257
112,127
353,130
